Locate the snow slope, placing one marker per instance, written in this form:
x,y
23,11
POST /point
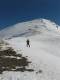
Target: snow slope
x,y
44,56
44,52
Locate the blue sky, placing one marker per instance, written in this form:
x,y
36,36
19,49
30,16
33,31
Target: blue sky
x,y
15,11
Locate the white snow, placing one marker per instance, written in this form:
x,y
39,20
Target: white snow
x,y
44,54
30,28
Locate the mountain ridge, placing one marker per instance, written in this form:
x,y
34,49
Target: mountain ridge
x,y
29,28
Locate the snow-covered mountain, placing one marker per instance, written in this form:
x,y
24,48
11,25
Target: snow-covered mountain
x,y
44,53
29,28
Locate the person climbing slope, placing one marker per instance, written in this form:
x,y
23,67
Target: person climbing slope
x,y
28,43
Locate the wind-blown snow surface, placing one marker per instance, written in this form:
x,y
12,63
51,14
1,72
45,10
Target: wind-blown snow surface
x,y
29,28
44,52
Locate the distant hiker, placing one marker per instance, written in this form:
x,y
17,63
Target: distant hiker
x,y
57,27
28,43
